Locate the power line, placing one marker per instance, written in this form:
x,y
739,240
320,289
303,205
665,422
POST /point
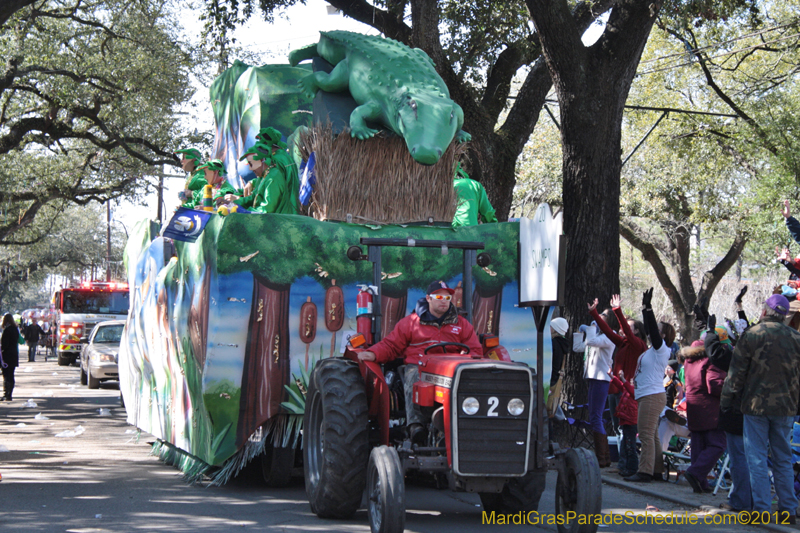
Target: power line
x,y
669,67
647,108
715,45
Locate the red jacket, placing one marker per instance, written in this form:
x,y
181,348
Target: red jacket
x,y
628,407
703,388
419,330
629,348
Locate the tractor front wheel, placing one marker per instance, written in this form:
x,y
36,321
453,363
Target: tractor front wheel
x,y
579,490
519,495
336,445
386,491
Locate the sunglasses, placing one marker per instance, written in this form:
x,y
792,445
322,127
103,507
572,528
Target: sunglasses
x,y
445,297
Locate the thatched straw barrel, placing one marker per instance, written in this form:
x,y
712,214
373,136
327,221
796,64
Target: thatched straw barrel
x,y
377,181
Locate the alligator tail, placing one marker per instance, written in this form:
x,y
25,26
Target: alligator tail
x,y
301,54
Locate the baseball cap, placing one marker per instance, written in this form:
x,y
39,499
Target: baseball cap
x,y
722,333
778,303
214,164
560,325
439,286
190,153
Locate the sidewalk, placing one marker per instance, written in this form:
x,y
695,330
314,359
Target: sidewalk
x,y
681,493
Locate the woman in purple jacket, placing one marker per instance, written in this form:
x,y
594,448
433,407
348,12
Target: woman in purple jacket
x,y
703,387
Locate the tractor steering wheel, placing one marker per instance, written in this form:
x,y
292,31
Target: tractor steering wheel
x,y
443,344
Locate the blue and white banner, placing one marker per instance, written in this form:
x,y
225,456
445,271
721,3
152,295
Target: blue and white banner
x,y
187,224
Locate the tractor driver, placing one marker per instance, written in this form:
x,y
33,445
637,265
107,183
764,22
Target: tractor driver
x,y
434,320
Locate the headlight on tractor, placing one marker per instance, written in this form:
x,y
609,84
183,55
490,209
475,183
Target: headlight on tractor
x,y
470,406
516,407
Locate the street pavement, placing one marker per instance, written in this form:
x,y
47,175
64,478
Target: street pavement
x,y
78,467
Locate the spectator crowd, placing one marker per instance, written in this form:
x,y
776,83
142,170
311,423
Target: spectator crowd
x,y
735,389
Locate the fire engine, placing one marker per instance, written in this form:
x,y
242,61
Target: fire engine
x,y
77,310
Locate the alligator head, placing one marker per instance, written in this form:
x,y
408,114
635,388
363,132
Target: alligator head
x,y
428,124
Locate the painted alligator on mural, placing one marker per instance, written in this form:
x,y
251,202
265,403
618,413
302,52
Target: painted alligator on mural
x,y
393,85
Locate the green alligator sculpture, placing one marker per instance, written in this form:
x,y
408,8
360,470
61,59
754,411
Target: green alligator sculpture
x,y
393,85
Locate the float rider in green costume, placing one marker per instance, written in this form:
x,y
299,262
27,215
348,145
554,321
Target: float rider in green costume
x,y
278,192
472,201
214,172
190,160
259,161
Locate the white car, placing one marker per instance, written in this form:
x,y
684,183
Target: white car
x,y
100,353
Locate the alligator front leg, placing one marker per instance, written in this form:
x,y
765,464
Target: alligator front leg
x,y
462,136
335,82
358,118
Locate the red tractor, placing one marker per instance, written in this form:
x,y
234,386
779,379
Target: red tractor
x,y
486,430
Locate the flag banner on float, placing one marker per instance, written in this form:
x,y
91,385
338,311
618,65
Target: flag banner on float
x,y
187,224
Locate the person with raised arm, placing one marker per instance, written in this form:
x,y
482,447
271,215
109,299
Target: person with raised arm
x,y
597,365
649,391
630,343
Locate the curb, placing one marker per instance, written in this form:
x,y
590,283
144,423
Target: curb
x,y
685,502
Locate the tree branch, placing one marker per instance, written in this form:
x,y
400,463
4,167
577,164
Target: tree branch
x,y
711,278
524,114
9,7
390,24
701,60
639,239
557,30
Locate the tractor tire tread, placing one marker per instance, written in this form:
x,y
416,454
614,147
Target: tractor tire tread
x,y
342,478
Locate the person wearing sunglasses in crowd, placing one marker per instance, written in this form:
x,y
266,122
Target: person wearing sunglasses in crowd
x,y
434,320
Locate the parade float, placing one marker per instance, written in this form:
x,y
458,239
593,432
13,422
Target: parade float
x,y
225,333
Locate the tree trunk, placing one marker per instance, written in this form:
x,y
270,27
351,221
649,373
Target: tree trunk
x,y
592,85
486,311
591,132
198,320
393,308
266,363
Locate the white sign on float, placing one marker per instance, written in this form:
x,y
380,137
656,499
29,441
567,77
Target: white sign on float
x,y
541,250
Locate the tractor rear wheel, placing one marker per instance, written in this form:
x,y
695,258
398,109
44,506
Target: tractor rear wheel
x,y
276,466
519,495
579,489
386,491
336,445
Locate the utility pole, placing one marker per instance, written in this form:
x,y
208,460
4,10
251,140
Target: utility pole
x,y
160,195
108,240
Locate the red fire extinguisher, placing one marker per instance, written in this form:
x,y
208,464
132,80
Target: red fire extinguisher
x,y
364,312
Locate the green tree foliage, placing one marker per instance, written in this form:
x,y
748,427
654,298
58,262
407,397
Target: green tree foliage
x,y
89,92
703,185
303,246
